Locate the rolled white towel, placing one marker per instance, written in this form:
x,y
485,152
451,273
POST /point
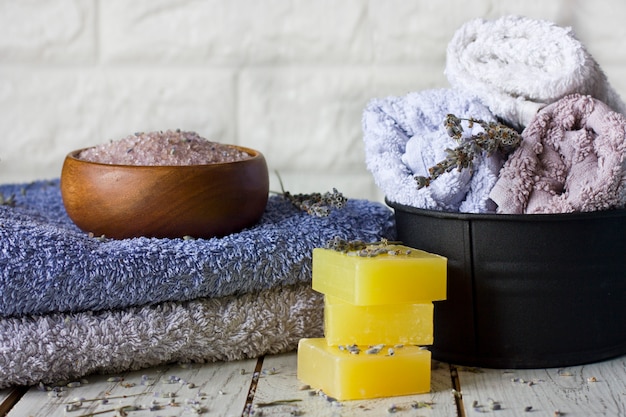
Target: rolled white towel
x,y
517,65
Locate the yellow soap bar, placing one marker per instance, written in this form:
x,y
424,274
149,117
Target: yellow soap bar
x,y
344,375
389,324
404,275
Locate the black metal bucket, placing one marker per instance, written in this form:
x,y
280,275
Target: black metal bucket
x,y
525,291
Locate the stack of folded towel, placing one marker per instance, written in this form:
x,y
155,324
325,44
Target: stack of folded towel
x,y
74,304
514,70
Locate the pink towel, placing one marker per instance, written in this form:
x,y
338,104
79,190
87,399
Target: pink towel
x,y
572,158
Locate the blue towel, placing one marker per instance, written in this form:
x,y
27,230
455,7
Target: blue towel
x,y
48,265
405,136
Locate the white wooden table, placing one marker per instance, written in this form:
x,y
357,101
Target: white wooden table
x,y
269,387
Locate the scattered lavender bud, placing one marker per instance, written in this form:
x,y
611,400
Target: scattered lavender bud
x,y
72,407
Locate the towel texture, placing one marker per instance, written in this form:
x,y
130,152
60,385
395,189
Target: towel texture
x,y
517,65
73,304
48,265
56,347
404,136
572,158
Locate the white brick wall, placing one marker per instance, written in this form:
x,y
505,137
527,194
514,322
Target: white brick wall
x,y
289,78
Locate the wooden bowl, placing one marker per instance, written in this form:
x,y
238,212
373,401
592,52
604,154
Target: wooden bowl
x,y
202,201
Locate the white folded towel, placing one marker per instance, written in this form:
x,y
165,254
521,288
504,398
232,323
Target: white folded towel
x,y
517,65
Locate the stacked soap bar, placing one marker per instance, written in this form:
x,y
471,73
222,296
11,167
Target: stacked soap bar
x,y
389,324
378,313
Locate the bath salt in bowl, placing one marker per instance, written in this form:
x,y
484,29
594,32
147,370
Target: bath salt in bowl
x,y
163,148
164,184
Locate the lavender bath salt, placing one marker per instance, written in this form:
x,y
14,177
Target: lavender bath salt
x,y
163,148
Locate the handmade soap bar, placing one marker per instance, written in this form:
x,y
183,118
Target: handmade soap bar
x,y
347,375
401,275
390,324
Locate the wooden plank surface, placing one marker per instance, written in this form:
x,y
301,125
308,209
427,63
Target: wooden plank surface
x,y
216,389
279,393
4,396
589,390
222,389
9,397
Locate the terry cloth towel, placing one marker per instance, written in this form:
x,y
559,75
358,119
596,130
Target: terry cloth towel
x,y
516,65
572,158
56,347
47,265
404,136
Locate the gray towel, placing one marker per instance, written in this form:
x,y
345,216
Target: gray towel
x,y
57,347
48,265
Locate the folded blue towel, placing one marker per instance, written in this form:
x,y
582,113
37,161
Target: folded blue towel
x,y
48,265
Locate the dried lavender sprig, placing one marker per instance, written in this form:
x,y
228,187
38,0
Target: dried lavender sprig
x,y
495,137
343,245
361,248
315,204
7,201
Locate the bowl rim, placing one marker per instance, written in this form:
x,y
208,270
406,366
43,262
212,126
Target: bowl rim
x,y
539,217
254,155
